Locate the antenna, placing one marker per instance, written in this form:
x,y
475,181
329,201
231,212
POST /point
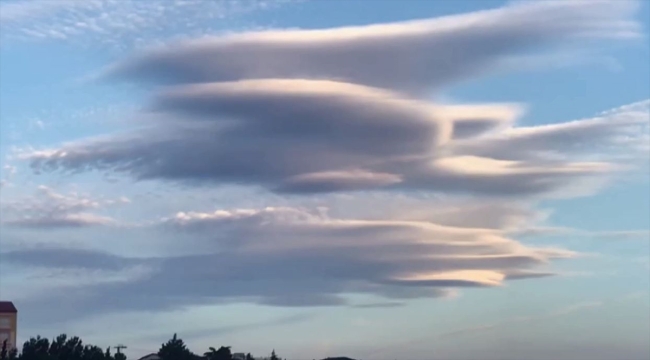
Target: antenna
x,y
120,347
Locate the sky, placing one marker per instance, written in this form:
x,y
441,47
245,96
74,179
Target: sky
x,y
376,179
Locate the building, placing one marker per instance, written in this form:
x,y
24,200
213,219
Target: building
x,y
8,323
152,356
155,356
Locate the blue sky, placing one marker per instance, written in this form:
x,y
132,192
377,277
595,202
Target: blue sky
x,y
415,179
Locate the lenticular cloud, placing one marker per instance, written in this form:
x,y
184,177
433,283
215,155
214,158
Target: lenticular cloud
x,y
322,111
348,110
412,56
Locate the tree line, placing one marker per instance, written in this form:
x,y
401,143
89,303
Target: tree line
x,y
72,348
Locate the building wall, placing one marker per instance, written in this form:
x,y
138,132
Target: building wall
x,y
8,328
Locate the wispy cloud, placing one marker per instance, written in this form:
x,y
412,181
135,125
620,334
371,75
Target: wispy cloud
x,y
524,319
216,331
49,209
379,305
531,319
624,130
579,233
118,23
635,296
620,235
467,331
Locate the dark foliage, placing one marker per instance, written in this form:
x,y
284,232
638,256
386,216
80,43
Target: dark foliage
x,y
175,349
61,348
223,353
64,348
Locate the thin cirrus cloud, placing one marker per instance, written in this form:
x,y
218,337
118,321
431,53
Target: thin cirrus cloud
x,y
293,257
523,319
118,24
460,333
615,132
48,209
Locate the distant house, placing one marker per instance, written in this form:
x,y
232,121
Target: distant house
x,y
152,356
8,323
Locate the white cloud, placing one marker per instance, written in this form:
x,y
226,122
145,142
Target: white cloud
x,y
9,170
49,209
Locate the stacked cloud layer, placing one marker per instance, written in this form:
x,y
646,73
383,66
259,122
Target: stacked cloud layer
x,y
345,110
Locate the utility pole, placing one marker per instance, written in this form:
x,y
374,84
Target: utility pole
x,y
119,348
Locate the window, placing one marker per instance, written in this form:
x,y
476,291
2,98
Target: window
x,y
4,323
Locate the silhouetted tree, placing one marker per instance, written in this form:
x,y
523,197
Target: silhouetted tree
x,y
249,357
211,353
223,353
119,356
4,353
61,348
274,356
92,352
36,349
56,348
107,354
175,349
64,348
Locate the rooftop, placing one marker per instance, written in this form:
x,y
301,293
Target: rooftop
x,y
7,307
